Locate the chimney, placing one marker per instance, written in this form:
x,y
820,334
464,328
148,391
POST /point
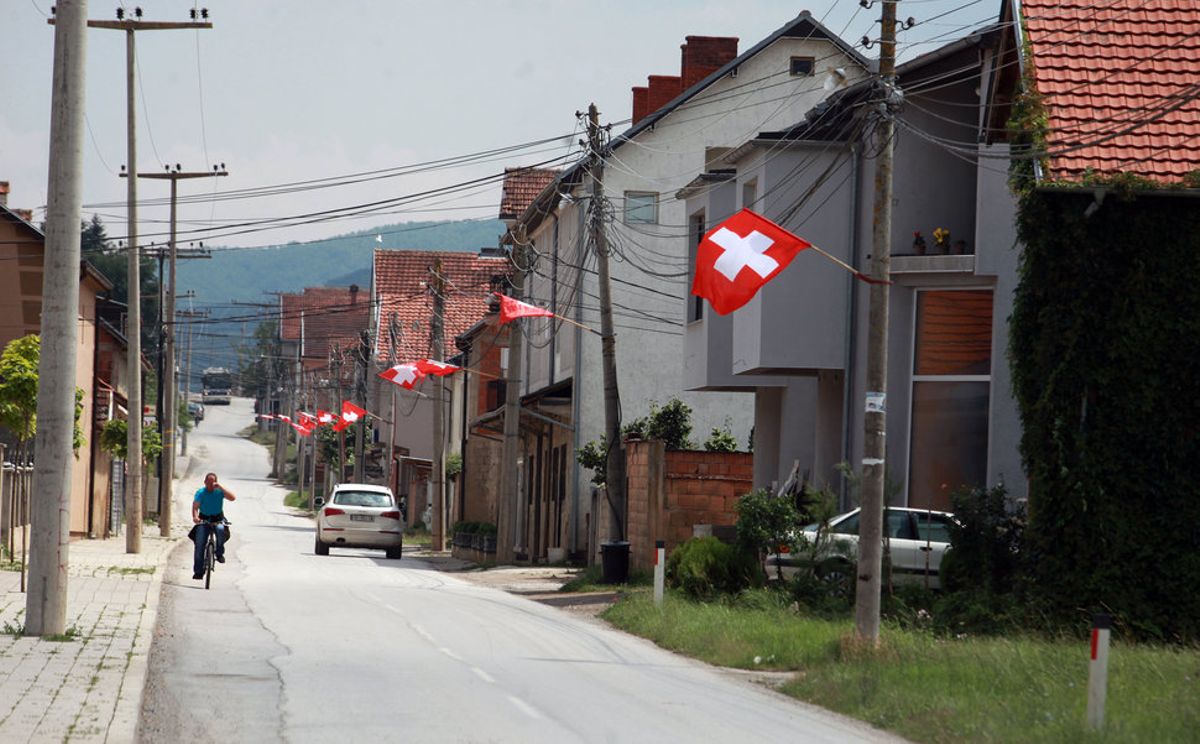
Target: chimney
x,y
3,193
641,96
353,294
663,88
704,55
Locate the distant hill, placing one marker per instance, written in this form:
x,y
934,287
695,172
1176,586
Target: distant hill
x,y
246,275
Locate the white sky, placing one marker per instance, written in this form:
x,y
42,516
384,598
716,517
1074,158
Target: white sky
x,y
299,90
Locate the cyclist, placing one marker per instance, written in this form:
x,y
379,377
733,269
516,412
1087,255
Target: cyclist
x,y
207,511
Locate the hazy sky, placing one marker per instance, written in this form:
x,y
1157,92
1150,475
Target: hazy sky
x,y
300,90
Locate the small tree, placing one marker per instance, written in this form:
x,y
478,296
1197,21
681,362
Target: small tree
x,y
721,440
19,389
766,524
114,440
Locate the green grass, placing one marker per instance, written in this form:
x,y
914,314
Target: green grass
x,y
934,689
295,500
417,538
130,570
590,580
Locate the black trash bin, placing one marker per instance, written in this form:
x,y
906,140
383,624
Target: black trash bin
x,y
614,560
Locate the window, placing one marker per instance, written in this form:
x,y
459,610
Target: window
x,y
695,306
362,498
802,66
848,526
641,207
951,391
750,195
932,528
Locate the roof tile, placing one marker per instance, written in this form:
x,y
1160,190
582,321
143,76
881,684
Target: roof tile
x,y
521,187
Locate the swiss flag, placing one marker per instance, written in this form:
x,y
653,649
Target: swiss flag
x,y
325,417
308,420
737,257
350,414
404,375
435,368
511,309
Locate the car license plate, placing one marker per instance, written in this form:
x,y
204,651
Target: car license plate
x,y
361,518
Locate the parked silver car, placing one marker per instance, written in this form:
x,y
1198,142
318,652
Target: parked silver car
x,y
917,540
358,515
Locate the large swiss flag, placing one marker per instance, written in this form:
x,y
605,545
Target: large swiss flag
x,y
737,257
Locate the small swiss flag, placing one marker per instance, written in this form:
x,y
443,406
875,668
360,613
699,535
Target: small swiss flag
x,y
737,257
511,309
404,375
435,368
325,417
350,414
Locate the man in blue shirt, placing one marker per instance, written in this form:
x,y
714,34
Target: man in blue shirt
x,y
208,510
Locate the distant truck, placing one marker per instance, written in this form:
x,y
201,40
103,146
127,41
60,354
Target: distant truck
x,y
215,386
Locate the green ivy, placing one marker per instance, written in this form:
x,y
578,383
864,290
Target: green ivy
x,y
1105,354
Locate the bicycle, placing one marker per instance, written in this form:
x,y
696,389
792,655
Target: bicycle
x,y
210,549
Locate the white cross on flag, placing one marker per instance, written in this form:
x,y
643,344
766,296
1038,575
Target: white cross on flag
x,y
404,375
737,257
350,414
435,368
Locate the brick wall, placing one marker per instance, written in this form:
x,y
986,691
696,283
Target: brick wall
x,y
703,55
670,492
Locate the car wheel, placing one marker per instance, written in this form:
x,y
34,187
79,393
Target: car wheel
x,y
838,576
395,553
321,548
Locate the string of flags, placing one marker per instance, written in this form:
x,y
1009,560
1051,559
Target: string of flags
x,y
306,423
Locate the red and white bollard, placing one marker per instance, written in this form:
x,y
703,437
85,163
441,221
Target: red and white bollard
x,y
1098,671
660,567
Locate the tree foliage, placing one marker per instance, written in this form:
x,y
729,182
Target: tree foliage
x,y
114,439
114,264
19,388
1105,349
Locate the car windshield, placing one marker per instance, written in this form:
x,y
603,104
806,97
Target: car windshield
x,y
362,498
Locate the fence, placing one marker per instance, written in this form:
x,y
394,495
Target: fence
x,y
16,483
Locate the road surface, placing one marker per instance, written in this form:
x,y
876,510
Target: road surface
x,y
291,646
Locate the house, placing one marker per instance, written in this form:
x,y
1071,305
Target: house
x,y
800,346
22,252
682,125
402,329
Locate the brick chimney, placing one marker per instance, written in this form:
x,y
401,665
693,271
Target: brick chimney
x,y
3,193
701,56
353,294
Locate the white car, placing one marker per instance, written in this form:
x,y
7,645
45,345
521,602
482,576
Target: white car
x,y
917,540
358,515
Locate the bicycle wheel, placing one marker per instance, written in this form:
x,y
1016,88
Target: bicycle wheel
x,y
208,561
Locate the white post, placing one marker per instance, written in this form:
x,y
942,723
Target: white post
x,y
660,568
1098,671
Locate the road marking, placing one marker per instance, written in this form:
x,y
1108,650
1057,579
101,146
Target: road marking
x,y
483,675
525,707
449,653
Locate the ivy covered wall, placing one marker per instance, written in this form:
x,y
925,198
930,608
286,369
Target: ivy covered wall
x,y
1105,353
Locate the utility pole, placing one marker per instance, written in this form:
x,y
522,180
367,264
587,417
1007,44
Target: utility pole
x,y
614,475
338,360
133,490
190,314
870,543
46,602
362,362
510,496
393,477
437,285
166,379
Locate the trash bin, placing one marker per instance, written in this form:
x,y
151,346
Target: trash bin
x,y
614,560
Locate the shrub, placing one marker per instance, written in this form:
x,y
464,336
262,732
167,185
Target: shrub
x,y
986,545
704,567
671,423
766,523
721,440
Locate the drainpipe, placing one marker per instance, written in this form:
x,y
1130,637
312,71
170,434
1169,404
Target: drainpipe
x,y
576,392
849,376
553,293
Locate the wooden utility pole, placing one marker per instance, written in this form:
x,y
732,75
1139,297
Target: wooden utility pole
x,y
510,497
46,602
133,480
437,285
614,475
166,381
870,543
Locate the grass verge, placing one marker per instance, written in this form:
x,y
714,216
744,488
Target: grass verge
x,y
933,689
591,578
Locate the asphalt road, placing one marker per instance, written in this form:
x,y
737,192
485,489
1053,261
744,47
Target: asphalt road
x,y
291,646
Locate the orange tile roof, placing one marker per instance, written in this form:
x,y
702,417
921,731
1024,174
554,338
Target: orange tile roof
x,y
521,187
400,288
1120,80
332,316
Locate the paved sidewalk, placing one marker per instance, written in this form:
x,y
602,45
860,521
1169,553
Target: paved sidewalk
x,y
87,688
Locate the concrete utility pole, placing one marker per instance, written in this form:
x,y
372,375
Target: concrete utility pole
x,y
870,543
166,381
614,476
510,496
437,286
46,602
362,362
190,314
133,490
392,476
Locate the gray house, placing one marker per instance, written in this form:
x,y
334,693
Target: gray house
x,y
800,345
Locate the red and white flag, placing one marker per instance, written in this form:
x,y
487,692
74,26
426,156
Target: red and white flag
x,y
350,414
308,420
404,375
325,418
511,309
737,257
303,427
268,416
435,368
